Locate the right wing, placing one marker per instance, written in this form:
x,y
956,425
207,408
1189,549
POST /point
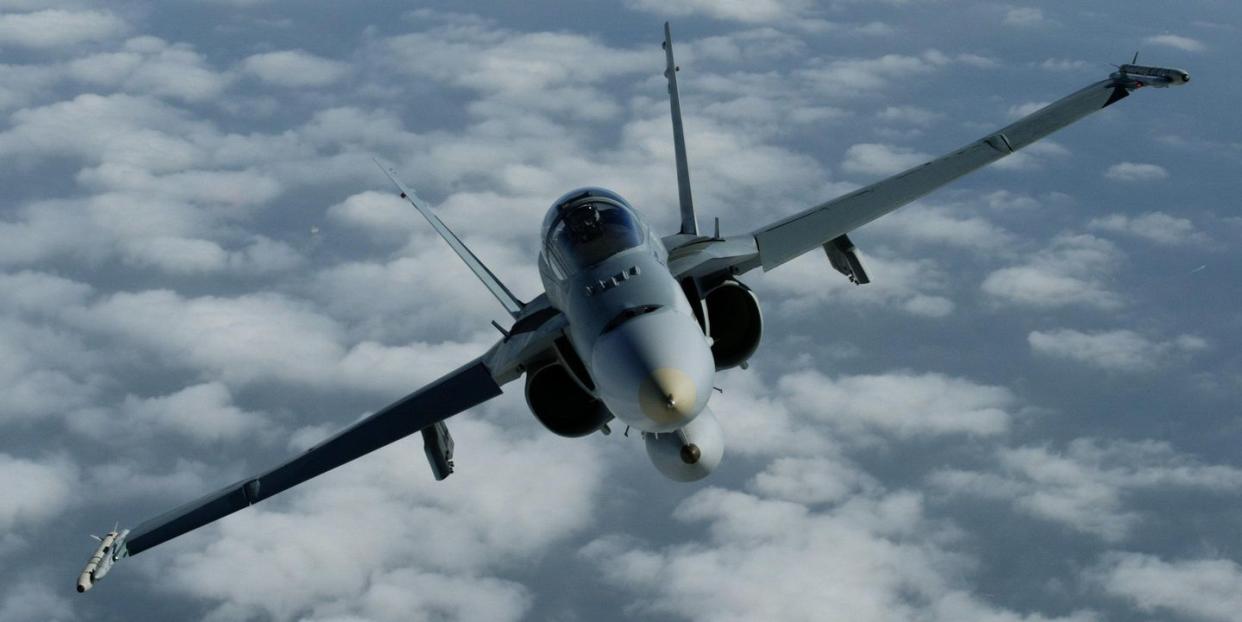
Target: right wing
x,y
783,240
808,230
470,385
776,243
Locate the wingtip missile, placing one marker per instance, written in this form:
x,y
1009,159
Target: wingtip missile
x,y
110,549
1135,76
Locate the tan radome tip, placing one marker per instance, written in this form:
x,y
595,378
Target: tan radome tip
x,y
668,396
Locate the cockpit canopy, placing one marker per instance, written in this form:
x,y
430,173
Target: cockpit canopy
x,y
589,225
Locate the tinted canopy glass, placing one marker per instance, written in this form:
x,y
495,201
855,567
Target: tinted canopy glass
x,y
590,228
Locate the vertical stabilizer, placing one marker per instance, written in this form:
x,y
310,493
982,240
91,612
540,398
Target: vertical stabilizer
x,y
688,223
493,284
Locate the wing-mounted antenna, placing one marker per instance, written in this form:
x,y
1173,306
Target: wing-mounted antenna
x,y
493,284
1133,61
688,222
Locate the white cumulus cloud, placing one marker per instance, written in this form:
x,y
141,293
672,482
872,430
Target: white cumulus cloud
x,y
148,65
1070,272
359,542
1024,16
1204,589
1178,42
880,159
758,11
295,68
1134,171
1158,227
35,490
379,213
203,412
45,371
876,557
904,405
943,225
35,599
1087,485
913,115
855,76
53,28
1115,350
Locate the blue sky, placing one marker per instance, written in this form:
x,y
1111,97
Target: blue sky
x,y
1029,415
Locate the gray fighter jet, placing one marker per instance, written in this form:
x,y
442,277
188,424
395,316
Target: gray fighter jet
x,y
633,325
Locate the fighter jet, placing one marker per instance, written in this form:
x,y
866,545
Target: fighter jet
x,y
632,326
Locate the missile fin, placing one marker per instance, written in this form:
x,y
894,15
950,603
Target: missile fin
x,y
1119,93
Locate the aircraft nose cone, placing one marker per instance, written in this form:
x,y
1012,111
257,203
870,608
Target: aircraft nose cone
x,y
654,371
668,395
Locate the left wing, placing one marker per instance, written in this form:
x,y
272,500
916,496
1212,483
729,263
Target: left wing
x,y
469,385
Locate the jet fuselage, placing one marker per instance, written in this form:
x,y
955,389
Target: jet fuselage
x,y
629,321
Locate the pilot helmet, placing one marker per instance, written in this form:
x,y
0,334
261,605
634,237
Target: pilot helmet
x,y
583,221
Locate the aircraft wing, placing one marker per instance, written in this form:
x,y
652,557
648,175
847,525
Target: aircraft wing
x,y
808,230
468,386
776,243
